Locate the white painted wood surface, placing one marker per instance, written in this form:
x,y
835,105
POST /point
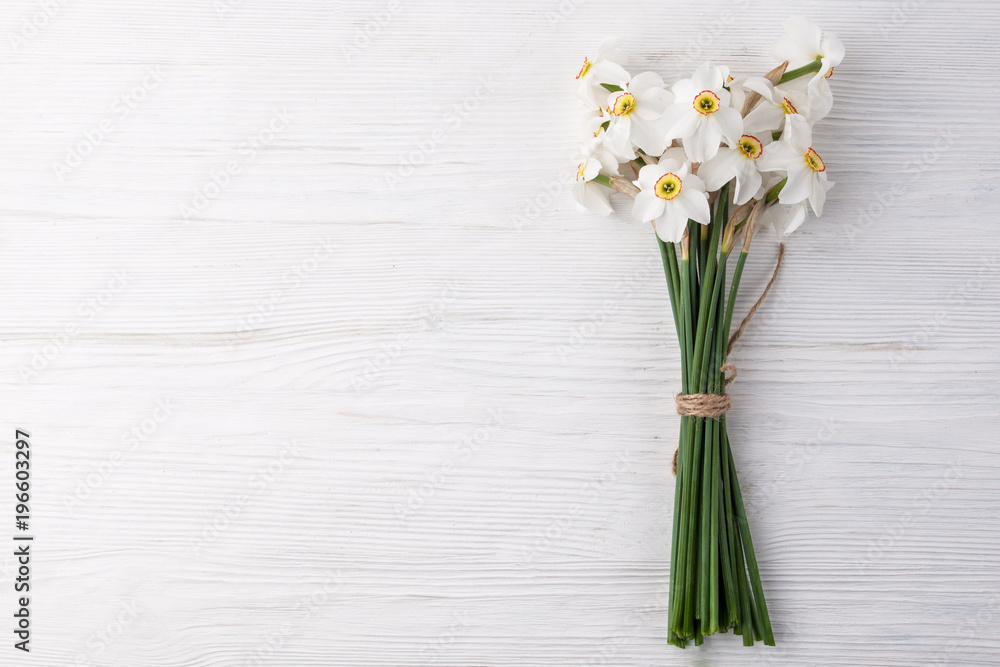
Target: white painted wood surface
x,y
384,423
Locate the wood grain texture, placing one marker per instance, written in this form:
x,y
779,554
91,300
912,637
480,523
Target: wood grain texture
x,y
379,395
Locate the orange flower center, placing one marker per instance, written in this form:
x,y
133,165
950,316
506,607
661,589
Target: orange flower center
x,y
814,161
668,186
624,104
706,103
751,146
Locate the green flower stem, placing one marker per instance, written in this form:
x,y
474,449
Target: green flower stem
x,y
811,68
687,341
603,180
676,286
746,597
692,474
733,289
730,573
721,552
708,584
704,534
755,582
710,477
713,508
680,611
712,282
693,282
703,249
669,256
761,621
773,193
707,290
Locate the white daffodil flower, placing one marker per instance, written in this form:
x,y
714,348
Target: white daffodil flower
x,y
636,116
776,103
785,219
737,94
803,43
595,146
594,125
740,161
701,116
606,67
591,196
795,156
669,195
816,92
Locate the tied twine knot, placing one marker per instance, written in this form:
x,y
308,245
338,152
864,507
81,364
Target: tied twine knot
x,y
710,406
714,406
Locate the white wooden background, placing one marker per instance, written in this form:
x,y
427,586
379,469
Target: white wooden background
x,y
380,396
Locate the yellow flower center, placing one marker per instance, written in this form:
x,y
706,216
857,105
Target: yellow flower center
x,y
814,161
751,146
583,70
624,104
668,187
829,73
788,106
706,103
580,171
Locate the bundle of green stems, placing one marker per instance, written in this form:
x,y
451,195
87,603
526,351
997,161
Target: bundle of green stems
x,y
715,583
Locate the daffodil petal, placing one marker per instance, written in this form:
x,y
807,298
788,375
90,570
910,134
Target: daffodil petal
x,y
764,119
647,136
817,195
730,124
651,173
604,71
693,183
693,205
832,49
800,44
798,187
748,181
720,169
797,133
777,157
680,121
684,91
647,206
707,77
670,228
704,143
597,198
760,85
641,83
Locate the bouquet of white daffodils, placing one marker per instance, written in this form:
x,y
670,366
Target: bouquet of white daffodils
x,y
709,161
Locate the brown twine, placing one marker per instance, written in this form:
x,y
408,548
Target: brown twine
x,y
714,406
753,311
710,406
